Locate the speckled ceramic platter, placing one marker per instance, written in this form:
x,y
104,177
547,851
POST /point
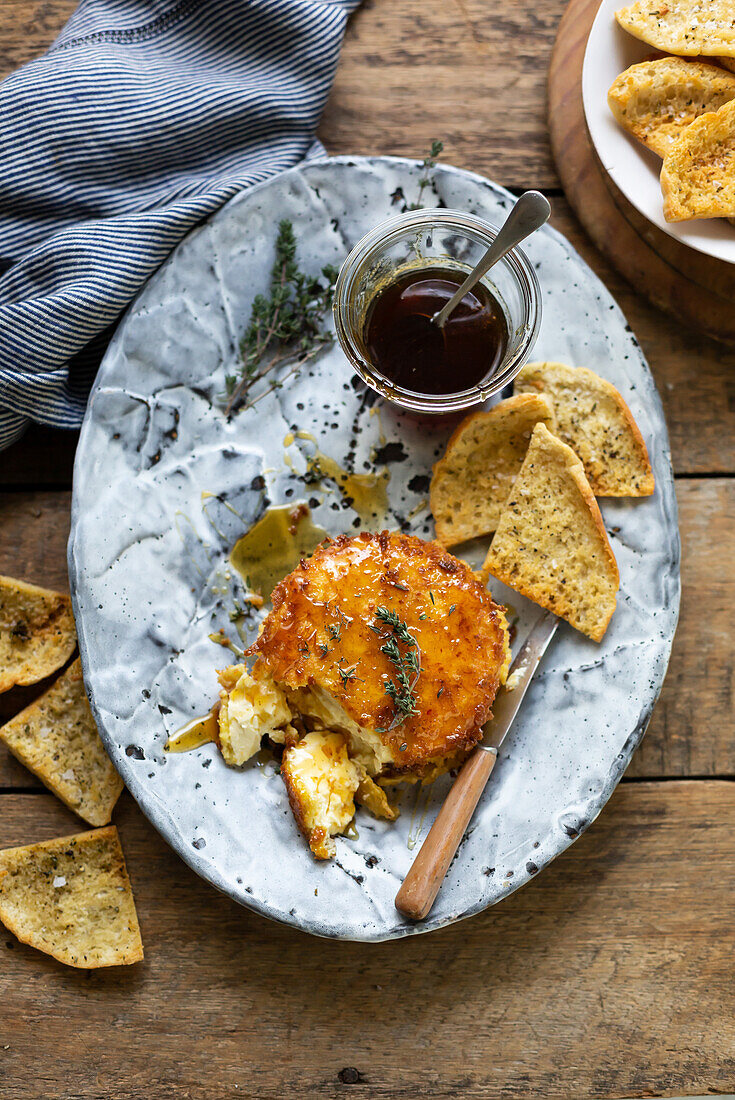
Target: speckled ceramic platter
x,y
165,484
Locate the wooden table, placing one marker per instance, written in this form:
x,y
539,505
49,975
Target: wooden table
x,y
611,974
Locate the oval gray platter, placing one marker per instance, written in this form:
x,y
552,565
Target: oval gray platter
x,y
164,485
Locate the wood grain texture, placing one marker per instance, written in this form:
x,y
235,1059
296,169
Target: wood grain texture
x,y
34,529
692,287
691,729
680,740
416,71
608,976
28,28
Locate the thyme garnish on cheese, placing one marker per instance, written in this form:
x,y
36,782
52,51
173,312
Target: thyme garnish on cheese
x,y
347,674
286,325
407,664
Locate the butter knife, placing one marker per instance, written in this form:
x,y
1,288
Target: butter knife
x,y
423,882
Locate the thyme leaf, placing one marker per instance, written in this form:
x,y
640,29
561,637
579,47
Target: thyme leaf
x,y
347,674
407,664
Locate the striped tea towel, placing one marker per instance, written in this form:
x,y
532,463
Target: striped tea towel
x,y
144,117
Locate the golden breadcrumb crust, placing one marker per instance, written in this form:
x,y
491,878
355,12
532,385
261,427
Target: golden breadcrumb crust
x,y
323,631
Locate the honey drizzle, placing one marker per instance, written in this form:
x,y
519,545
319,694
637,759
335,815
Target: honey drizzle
x,y
198,732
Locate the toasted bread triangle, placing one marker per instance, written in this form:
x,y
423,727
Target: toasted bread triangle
x,y
594,420
71,898
551,544
37,633
56,737
471,481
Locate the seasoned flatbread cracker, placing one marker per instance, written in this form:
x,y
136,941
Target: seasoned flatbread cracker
x,y
551,544
594,420
484,454
71,898
683,27
656,100
37,633
698,173
727,63
57,739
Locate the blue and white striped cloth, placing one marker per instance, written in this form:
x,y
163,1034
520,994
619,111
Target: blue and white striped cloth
x,y
144,117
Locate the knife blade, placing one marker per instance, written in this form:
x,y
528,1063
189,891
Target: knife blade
x,y
508,700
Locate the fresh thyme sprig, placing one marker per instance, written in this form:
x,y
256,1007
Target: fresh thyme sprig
x,y
407,666
427,164
286,326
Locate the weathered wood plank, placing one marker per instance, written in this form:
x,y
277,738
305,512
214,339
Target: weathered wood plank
x,y
34,529
416,71
691,729
28,27
609,976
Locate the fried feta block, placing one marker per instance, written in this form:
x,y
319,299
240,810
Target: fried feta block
x,y
321,782
392,640
251,706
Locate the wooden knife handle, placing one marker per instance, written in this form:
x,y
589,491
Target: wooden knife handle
x,y
421,885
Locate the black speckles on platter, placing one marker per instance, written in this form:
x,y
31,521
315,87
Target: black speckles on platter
x,y
165,484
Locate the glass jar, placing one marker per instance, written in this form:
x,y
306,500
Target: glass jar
x,y
422,240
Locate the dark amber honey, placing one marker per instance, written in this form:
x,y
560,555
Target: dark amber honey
x,y
414,353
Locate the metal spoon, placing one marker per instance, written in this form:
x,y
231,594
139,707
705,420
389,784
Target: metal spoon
x,y
530,212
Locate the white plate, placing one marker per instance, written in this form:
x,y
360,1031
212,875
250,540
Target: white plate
x,y
164,485
633,168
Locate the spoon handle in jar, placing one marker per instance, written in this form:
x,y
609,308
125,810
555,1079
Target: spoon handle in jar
x,y
530,212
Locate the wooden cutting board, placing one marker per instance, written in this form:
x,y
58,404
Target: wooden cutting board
x,y
698,290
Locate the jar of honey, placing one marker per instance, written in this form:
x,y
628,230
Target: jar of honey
x,y
394,281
